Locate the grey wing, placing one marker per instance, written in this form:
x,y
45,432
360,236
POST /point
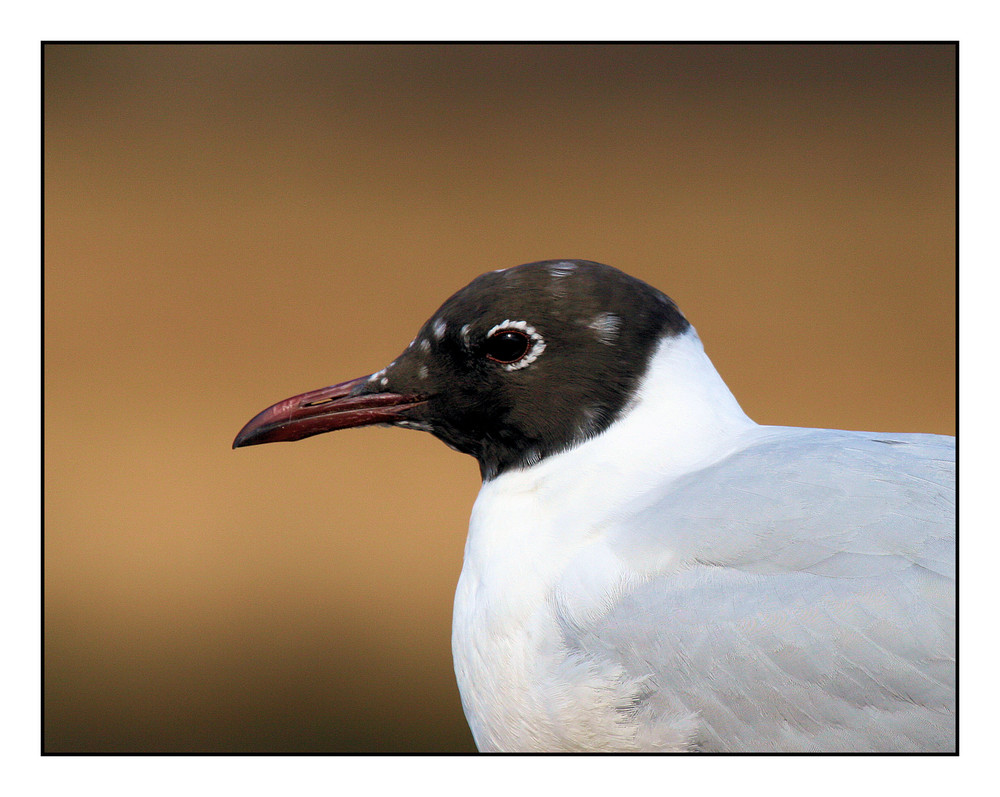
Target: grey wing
x,y
799,596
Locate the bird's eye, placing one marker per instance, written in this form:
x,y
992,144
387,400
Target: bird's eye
x,y
513,344
507,346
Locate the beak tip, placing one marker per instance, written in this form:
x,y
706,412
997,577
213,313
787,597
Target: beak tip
x,y
241,441
253,434
256,432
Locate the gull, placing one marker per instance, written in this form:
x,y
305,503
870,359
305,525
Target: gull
x,y
646,568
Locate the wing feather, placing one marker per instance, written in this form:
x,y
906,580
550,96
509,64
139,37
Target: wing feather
x,y
797,595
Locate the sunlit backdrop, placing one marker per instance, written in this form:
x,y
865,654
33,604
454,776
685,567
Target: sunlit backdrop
x,y
229,225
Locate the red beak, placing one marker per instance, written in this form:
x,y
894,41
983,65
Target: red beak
x,y
324,410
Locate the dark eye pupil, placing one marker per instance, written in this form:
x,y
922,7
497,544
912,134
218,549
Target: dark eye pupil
x,y
507,346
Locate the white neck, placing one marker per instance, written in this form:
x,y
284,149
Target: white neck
x,y
683,417
526,522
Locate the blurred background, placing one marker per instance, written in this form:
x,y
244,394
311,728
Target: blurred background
x,y
226,226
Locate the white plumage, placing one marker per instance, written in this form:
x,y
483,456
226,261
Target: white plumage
x,y
689,580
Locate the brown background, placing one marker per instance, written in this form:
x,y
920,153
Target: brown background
x,y
229,225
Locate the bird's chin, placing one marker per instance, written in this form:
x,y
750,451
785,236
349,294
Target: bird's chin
x,y
328,409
